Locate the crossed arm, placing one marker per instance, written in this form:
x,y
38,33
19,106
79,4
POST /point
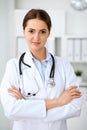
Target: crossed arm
x,y
67,95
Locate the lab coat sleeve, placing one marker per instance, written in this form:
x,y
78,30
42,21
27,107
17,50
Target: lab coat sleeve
x,y
72,109
18,109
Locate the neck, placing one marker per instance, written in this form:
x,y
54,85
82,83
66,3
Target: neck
x,y
39,55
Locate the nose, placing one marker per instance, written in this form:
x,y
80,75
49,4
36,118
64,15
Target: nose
x,y
36,36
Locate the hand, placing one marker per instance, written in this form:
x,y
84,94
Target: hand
x,y
68,95
13,91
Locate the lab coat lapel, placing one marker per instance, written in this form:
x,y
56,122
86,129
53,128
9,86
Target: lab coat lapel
x,y
34,71
47,73
50,90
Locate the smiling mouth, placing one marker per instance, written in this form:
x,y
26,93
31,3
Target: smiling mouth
x,y
36,43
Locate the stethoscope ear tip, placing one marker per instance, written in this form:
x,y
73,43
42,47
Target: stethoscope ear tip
x,y
29,94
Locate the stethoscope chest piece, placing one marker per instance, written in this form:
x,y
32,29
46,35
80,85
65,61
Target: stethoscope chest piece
x,y
51,82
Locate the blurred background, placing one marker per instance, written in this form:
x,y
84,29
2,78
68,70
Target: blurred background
x,y
68,39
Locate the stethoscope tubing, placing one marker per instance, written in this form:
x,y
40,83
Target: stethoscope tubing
x,y
51,76
21,60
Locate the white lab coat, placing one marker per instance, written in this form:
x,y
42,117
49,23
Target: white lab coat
x,y
31,114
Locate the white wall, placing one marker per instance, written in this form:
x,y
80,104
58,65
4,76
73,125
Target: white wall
x,y
6,32
46,4
6,39
76,21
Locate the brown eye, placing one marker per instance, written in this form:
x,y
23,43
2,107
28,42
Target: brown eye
x,y
31,31
43,31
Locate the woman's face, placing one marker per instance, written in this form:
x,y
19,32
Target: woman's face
x,y
36,33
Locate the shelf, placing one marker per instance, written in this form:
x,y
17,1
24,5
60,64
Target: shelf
x,y
83,84
74,48
78,62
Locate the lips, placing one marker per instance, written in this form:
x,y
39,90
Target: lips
x,y
36,43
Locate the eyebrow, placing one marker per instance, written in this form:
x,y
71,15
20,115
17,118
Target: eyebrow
x,y
40,29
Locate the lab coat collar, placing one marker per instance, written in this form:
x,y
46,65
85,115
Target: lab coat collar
x,y
47,55
29,54
28,58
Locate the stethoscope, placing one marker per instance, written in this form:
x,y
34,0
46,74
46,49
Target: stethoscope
x,y
51,76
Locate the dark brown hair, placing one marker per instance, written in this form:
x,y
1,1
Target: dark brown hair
x,y
39,14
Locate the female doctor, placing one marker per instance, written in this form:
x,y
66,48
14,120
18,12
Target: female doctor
x,y
39,91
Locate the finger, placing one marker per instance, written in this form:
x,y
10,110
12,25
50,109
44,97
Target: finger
x,y
76,96
75,91
13,89
72,87
15,93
